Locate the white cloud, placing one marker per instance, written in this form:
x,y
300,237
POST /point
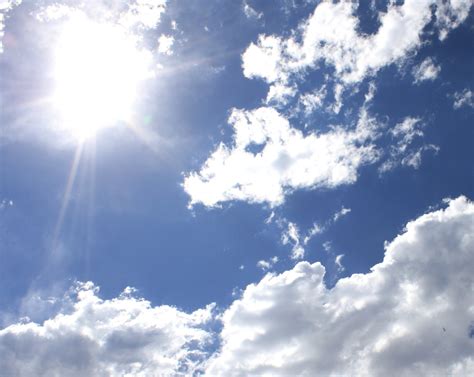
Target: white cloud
x,y
402,152
287,161
410,315
291,236
341,213
338,263
124,336
426,71
165,44
5,7
406,131
313,231
6,203
332,34
135,14
262,60
463,98
143,13
449,15
270,218
250,12
313,100
337,104
265,265
55,12
279,94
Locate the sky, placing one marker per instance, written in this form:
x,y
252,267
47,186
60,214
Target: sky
x,y
236,188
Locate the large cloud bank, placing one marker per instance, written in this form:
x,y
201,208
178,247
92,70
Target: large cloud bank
x,y
124,336
412,314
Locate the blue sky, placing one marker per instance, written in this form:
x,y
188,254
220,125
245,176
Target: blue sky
x,y
215,188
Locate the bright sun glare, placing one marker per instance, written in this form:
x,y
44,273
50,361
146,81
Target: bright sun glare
x,y
98,70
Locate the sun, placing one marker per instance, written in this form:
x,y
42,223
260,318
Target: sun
x,y
98,69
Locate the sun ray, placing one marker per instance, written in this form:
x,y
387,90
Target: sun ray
x,y
67,193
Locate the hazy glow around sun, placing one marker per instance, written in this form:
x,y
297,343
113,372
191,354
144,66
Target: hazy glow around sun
x,y
98,69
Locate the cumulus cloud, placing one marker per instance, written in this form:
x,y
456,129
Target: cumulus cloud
x,y
331,34
463,98
288,159
412,314
427,70
124,336
279,94
262,60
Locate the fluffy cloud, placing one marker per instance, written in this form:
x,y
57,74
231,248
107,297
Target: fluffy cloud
x,y
143,13
262,60
124,336
332,34
165,44
135,14
412,314
288,159
426,71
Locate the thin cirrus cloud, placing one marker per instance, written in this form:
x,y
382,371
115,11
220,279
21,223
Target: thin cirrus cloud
x,y
286,324
402,151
